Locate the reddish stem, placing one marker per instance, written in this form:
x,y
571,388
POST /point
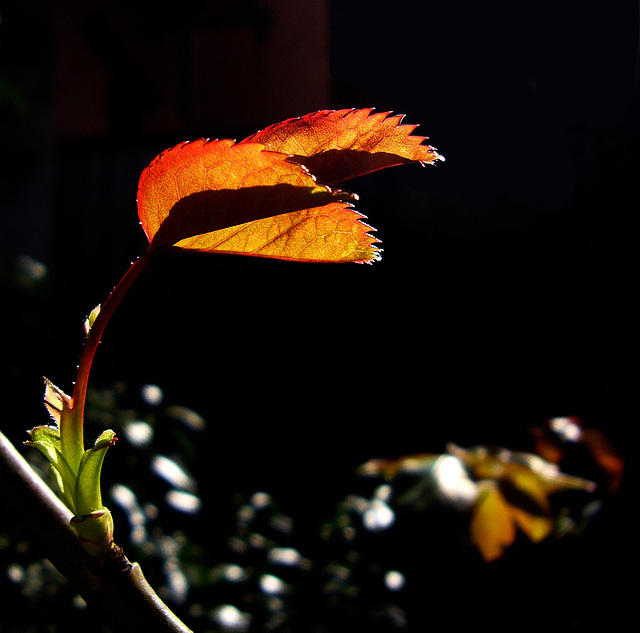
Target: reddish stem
x,y
95,334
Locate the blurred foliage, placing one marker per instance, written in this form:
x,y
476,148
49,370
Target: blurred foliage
x,y
502,491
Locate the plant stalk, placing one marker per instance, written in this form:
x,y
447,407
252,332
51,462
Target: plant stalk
x,y
95,334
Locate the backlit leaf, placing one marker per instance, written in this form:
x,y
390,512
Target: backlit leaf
x,y
492,526
330,233
337,145
205,186
265,195
54,400
218,196
494,522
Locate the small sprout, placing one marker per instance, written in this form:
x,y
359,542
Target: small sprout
x,y
90,320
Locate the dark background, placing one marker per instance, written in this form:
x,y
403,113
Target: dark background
x,y
504,293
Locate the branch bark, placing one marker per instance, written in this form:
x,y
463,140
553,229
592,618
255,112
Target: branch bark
x,y
124,601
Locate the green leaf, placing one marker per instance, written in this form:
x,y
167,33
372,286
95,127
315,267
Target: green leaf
x,y
47,440
65,492
87,492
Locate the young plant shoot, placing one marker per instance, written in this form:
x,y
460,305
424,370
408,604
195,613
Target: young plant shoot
x,y
274,194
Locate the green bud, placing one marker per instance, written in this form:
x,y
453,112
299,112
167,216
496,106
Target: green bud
x,y
95,531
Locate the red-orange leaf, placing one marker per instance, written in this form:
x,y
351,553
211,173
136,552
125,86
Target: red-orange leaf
x,y
220,196
263,197
336,145
204,186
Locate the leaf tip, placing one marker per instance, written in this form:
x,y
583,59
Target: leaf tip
x,y
435,156
54,400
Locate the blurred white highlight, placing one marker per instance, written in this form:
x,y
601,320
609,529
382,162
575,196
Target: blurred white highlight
x,y
285,556
127,500
234,573
152,395
566,428
378,516
394,580
183,501
171,472
138,433
260,500
453,483
271,585
231,618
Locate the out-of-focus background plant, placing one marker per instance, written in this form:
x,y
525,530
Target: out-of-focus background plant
x,y
502,301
